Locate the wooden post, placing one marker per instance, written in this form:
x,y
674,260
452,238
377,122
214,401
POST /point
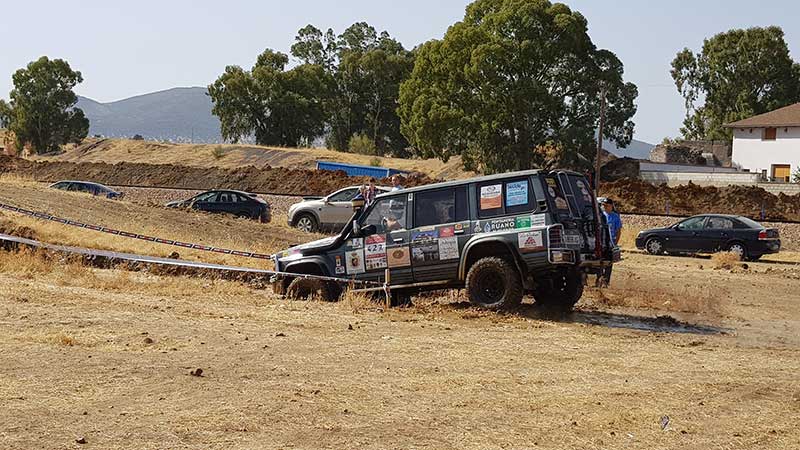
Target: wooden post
x,y
387,289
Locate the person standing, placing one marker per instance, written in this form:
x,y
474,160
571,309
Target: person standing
x,y
614,222
371,193
396,186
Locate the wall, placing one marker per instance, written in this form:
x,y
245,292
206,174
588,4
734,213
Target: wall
x,y
719,179
658,167
750,152
781,188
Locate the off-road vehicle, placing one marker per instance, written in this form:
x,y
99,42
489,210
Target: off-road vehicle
x,y
500,237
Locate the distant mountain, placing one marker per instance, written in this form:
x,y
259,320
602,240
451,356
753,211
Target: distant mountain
x,y
636,149
178,115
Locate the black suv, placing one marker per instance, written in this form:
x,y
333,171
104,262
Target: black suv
x,y
499,236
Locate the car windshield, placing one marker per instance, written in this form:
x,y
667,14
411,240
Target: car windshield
x,y
749,222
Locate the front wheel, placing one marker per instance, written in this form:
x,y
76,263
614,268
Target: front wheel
x,y
654,246
304,288
307,223
562,290
494,283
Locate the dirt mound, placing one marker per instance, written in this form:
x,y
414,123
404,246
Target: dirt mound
x,y
619,168
11,228
639,197
279,180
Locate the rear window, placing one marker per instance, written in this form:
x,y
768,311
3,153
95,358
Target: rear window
x,y
748,223
498,198
557,195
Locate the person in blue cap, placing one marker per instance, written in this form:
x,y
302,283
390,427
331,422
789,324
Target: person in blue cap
x,y
614,222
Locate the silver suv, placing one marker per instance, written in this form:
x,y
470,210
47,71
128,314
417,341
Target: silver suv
x,y
326,213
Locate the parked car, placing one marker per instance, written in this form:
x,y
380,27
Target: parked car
x,y
237,203
709,233
498,236
88,187
325,213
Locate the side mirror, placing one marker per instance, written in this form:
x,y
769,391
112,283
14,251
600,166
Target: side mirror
x,y
369,230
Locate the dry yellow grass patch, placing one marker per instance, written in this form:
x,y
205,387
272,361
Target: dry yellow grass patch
x,y
726,260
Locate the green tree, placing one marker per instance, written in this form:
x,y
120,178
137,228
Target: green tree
x,y
41,112
738,74
512,76
275,106
364,70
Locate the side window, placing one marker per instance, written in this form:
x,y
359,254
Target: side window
x,y
343,196
505,197
207,197
719,223
243,198
74,187
441,206
695,223
388,214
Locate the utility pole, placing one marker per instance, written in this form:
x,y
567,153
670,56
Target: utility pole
x,y
603,107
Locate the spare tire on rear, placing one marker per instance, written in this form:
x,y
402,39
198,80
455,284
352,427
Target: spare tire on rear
x,y
494,283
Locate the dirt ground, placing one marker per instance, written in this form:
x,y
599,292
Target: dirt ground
x,y
105,356
677,353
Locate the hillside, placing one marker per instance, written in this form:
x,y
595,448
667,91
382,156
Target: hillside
x,y
232,156
636,149
179,114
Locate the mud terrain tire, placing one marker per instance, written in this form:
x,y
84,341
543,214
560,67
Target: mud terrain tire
x,y
494,283
561,292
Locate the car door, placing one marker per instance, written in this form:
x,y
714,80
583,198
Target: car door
x,y
716,234
226,202
441,229
337,208
370,255
205,202
687,235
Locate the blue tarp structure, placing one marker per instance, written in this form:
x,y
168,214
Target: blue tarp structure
x,y
355,170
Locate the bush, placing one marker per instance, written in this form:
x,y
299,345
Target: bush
x,y
218,152
375,162
138,137
362,144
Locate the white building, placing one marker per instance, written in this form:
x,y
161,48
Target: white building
x,y
769,143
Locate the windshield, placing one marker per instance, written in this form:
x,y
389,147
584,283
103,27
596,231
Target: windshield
x,y
387,214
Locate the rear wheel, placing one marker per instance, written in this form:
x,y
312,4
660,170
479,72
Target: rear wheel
x,y
307,223
494,283
737,248
561,291
243,215
654,246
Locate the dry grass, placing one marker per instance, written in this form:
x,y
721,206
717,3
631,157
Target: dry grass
x,y
726,260
209,155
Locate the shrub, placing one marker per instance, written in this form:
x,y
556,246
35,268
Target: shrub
x,y
218,152
362,144
375,162
138,137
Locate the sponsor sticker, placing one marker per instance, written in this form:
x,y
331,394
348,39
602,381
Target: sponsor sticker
x,y
517,193
551,191
354,261
356,243
530,240
447,232
502,224
523,222
538,220
375,252
561,203
491,196
477,228
459,227
339,264
572,239
448,248
426,252
424,235
398,257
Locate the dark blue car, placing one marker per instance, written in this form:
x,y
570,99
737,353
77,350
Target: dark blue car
x,y
710,233
87,187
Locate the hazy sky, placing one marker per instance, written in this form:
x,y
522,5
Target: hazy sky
x,y
129,48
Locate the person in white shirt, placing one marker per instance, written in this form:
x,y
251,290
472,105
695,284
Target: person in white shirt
x,y
396,186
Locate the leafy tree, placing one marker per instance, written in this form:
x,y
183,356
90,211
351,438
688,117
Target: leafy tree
x,y
364,70
42,110
276,106
738,74
514,75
